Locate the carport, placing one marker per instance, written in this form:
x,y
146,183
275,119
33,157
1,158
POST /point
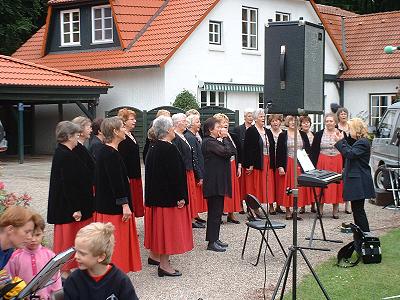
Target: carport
x,y
27,84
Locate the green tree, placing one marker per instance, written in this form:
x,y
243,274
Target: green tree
x,y
19,19
186,100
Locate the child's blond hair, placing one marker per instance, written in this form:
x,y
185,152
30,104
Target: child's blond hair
x,y
101,239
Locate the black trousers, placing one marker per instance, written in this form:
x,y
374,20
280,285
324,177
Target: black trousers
x,y
359,215
214,215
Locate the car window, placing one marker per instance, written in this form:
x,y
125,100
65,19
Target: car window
x,y
387,124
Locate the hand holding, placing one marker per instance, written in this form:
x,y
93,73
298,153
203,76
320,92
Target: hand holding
x,y
126,213
77,215
281,171
338,136
249,170
181,203
200,182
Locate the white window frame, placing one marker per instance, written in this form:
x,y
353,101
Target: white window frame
x,y
103,39
248,26
71,32
374,120
216,34
282,15
260,100
217,95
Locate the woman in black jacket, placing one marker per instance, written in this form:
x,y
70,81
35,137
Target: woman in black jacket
x,y
357,179
113,202
167,214
70,202
217,179
285,162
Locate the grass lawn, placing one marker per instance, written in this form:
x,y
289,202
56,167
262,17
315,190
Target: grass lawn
x,y
373,281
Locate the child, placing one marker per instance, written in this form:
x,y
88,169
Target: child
x,y
96,278
27,262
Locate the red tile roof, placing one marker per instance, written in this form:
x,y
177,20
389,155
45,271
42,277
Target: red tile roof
x,y
16,72
153,47
366,36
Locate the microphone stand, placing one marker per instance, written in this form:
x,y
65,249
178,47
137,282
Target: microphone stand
x,y
292,256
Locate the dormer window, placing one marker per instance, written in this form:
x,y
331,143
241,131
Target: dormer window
x,y
70,28
102,24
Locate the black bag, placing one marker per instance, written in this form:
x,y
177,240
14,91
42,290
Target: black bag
x,y
366,247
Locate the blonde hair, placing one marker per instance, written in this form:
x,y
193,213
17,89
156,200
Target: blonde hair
x,y
191,118
125,113
16,216
288,119
101,239
277,117
359,127
81,122
163,112
107,127
192,112
221,117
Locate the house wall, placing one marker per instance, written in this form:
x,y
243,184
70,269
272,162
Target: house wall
x,y
356,93
197,61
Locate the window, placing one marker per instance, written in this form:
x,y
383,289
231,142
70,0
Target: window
x,y
386,126
212,98
282,17
102,24
249,28
317,122
214,36
70,27
378,106
261,100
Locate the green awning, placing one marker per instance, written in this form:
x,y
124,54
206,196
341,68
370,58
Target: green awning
x,y
232,87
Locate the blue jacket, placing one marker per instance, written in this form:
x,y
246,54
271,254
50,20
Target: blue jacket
x,y
357,178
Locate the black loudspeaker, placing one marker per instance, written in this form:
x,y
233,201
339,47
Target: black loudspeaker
x,y
294,67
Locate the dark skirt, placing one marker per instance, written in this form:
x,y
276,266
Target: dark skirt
x,y
168,230
64,238
232,204
137,196
126,255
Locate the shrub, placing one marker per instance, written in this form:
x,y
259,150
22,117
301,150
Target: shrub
x,y
186,100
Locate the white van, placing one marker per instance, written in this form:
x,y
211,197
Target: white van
x,y
385,146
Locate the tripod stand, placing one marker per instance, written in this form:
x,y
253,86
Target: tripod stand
x,y
318,216
292,256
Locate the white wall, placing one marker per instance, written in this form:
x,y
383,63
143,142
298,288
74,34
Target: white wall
x,y
331,95
140,88
356,93
196,61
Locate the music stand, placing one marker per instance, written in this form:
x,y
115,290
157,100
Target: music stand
x,y
45,275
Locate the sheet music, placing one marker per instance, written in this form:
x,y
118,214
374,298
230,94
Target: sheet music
x,y
304,160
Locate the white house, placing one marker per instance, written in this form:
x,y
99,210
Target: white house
x,y
151,50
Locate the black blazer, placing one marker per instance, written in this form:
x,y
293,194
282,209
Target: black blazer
x,y
217,179
281,149
112,183
357,178
185,150
68,191
240,132
129,151
198,159
165,176
237,148
88,164
316,147
95,145
253,148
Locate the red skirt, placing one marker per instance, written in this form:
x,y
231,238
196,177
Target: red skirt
x,y
137,196
333,194
126,254
64,238
201,202
256,183
168,230
279,187
308,195
287,200
196,201
232,204
242,185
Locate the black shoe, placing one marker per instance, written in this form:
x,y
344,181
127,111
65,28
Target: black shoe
x,y
198,225
242,212
200,220
222,244
279,210
230,220
162,273
213,246
153,262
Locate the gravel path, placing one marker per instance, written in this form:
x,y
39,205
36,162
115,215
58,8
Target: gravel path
x,y
207,275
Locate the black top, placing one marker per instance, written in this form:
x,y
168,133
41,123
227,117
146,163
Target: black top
x,y
198,159
88,162
253,148
240,132
281,149
114,285
217,179
95,145
165,176
129,151
70,190
316,145
112,183
357,178
185,150
237,147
